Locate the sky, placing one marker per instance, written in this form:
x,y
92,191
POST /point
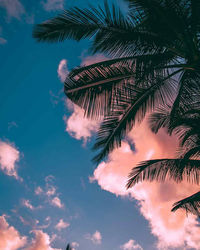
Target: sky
x,y
51,193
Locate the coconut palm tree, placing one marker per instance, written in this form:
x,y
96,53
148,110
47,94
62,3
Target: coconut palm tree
x,y
187,164
68,247
154,57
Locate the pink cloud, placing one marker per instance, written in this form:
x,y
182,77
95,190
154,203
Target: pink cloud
x,y
62,225
131,245
2,40
10,238
57,202
9,155
14,8
51,5
96,237
78,126
74,245
42,241
62,70
155,199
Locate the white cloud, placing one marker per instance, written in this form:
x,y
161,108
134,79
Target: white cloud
x,y
62,225
51,5
9,155
2,41
131,245
57,202
14,8
10,238
78,126
62,70
96,237
42,241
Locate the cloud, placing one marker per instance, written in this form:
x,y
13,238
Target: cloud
x,y
78,126
49,191
10,238
131,245
95,237
42,241
57,202
14,8
27,204
154,199
62,225
52,5
2,41
62,70
74,245
9,155
38,191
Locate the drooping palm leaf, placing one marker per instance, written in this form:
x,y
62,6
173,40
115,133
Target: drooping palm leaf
x,y
162,169
92,87
190,204
128,110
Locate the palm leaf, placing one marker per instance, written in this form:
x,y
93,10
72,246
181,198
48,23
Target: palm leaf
x,y
190,204
121,120
92,87
162,169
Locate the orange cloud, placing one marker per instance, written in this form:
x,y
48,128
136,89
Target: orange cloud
x,y
10,238
155,199
42,241
9,155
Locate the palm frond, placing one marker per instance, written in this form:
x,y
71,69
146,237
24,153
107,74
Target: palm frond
x,y
68,247
92,87
121,120
190,204
162,169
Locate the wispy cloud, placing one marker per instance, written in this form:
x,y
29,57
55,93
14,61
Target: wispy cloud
x,y
50,192
131,245
9,156
27,204
14,8
10,238
96,237
2,41
74,245
52,5
62,225
57,202
62,70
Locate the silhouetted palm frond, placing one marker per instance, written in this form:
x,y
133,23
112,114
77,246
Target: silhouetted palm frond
x,y
162,169
190,204
126,111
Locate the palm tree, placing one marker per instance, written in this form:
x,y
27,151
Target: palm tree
x,y
187,164
68,247
154,58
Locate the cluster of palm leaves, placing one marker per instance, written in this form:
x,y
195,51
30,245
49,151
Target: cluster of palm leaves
x,y
154,58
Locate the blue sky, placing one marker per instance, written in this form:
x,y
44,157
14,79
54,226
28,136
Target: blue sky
x,y
45,170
